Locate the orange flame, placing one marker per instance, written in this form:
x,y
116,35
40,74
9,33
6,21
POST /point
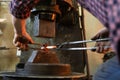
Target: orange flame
x,y
48,47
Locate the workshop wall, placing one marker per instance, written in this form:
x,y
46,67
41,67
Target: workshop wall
x,y
92,26
8,58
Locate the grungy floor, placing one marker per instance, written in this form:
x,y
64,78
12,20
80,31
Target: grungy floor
x,y
8,58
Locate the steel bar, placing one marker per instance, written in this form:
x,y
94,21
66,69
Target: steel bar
x,y
82,48
87,41
54,47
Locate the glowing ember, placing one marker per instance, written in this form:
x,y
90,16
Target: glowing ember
x,y
49,47
45,47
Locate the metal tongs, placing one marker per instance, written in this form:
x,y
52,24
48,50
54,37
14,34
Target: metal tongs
x,y
60,46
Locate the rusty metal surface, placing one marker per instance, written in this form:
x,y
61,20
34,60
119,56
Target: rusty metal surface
x,y
41,56
75,58
43,28
13,74
44,62
45,69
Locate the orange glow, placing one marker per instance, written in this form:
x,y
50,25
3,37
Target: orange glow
x,y
49,47
53,16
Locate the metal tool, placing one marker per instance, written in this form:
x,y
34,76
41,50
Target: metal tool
x,y
84,41
60,46
82,48
55,48
76,42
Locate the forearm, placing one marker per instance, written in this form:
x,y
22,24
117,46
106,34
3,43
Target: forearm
x,y
19,25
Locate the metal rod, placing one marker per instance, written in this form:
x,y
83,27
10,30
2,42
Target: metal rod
x,y
82,48
87,41
54,47
83,41
59,47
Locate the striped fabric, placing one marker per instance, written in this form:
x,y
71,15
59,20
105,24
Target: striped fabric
x,y
97,8
108,12
21,8
113,10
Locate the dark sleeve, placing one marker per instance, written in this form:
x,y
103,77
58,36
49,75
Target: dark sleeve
x,y
96,8
21,8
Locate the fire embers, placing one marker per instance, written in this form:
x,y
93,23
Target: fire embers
x,y
45,47
43,54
